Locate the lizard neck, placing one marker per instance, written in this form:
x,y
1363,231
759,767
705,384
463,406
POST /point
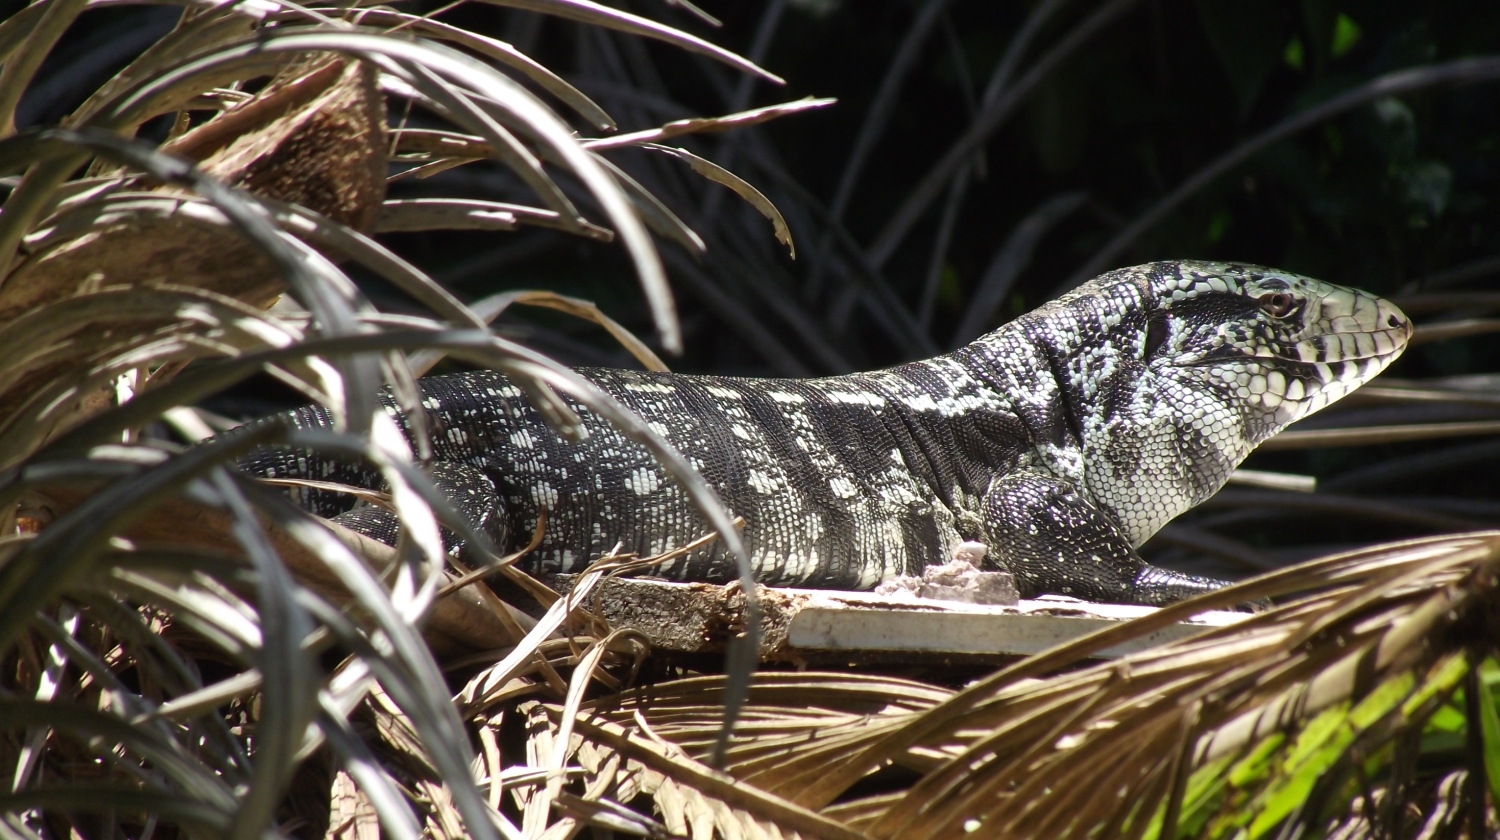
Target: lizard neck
x,y
1142,443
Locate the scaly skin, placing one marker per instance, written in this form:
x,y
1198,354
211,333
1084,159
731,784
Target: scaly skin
x,y
1062,440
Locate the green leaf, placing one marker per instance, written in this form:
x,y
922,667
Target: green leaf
x,y
1317,731
1199,799
1446,719
1317,748
1204,795
1489,673
1320,746
1489,723
1382,700
1440,678
1346,34
1294,54
1248,37
1219,225
1254,767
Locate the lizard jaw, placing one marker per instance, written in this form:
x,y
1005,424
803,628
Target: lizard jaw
x,y
1359,335
1281,373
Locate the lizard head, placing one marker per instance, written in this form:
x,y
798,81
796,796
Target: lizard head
x,y
1278,345
1204,362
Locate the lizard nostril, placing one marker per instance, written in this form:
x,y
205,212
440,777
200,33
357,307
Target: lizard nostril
x,y
1393,322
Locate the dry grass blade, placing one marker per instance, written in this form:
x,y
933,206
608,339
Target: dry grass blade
x,y
1436,302
311,227
22,61
476,695
198,606
583,676
401,663
657,215
1353,507
99,800
1375,435
458,103
1274,480
500,564
491,307
494,49
288,683
1244,673
1399,391
375,787
59,331
326,292
793,727
33,577
713,784
585,11
612,816
419,214
1444,330
754,197
700,125
423,66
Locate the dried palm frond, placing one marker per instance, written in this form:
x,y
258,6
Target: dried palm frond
x,y
1354,702
182,649
166,625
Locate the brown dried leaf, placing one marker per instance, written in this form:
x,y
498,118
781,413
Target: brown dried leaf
x,y
586,11
705,125
718,174
316,139
459,622
351,816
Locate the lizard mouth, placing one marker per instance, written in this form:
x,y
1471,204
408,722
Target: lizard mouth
x,y
1349,346
1347,339
1354,336
1360,336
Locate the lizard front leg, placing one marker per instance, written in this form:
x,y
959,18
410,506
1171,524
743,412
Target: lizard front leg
x,y
1054,539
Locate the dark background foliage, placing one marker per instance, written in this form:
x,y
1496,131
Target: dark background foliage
x,y
1131,99
1396,196
1383,197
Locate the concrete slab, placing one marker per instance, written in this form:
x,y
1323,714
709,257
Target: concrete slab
x,y
803,624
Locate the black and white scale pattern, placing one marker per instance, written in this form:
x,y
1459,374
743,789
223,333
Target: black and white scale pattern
x,y
1062,440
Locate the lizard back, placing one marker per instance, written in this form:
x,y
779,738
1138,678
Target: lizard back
x,y
1063,440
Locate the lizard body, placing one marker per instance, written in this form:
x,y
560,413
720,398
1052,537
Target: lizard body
x,y
1062,440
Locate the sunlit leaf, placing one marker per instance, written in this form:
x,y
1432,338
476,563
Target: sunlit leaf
x,y
754,197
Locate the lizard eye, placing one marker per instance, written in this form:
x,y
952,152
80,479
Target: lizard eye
x,y
1278,304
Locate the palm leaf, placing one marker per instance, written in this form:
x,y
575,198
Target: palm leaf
x,y
215,594
1279,720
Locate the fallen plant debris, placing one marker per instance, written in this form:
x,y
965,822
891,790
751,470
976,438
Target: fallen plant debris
x,y
184,653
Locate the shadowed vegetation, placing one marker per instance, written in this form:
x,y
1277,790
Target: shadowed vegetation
x,y
213,210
